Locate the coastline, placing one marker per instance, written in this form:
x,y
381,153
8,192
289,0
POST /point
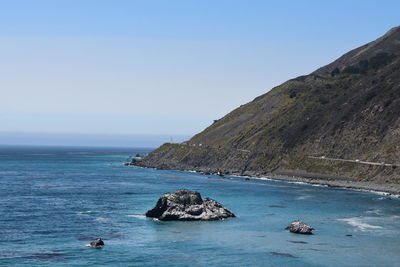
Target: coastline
x,y
385,189
307,178
329,181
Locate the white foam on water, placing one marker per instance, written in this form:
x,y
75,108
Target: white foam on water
x,y
375,211
294,182
137,216
303,197
289,181
80,213
319,185
264,178
101,219
384,195
356,222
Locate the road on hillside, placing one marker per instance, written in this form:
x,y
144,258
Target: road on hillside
x,y
355,161
312,157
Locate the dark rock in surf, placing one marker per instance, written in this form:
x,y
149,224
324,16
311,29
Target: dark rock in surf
x,y
299,227
185,205
98,243
219,173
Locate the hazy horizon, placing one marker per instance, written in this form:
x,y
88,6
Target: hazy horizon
x,y
72,69
89,140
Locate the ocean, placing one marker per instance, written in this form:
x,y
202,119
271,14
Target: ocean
x,y
55,200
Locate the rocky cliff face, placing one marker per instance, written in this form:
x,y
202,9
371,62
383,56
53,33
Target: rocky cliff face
x,y
327,123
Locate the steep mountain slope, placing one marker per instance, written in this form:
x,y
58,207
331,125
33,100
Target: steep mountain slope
x,y
347,110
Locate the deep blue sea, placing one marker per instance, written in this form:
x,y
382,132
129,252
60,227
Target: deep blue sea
x,y
55,200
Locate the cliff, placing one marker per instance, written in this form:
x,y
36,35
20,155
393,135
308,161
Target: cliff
x,y
341,121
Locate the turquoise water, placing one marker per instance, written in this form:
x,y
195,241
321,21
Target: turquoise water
x,y
55,200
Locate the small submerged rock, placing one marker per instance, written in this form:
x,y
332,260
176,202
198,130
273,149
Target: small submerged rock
x,y
52,256
98,243
298,242
299,227
283,254
185,205
277,206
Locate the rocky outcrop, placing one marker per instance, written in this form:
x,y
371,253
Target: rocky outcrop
x,y
98,243
134,160
185,205
299,227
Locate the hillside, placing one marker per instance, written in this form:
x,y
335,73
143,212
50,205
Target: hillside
x,y
341,121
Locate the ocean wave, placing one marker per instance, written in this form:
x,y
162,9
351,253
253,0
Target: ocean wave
x,y
320,185
138,216
375,211
39,154
356,222
261,178
101,219
304,197
80,213
384,195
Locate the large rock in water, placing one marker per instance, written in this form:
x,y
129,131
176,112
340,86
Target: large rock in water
x,y
298,227
185,205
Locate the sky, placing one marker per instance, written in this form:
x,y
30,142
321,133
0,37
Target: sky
x,y
161,69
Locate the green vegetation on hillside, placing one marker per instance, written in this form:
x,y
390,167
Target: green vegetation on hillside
x,y
346,110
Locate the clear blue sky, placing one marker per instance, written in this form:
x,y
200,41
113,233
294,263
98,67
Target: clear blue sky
x,y
163,67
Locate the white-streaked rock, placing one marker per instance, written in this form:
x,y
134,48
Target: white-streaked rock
x,y
185,205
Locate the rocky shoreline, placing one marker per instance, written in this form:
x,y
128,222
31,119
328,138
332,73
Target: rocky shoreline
x,y
330,181
389,189
307,178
